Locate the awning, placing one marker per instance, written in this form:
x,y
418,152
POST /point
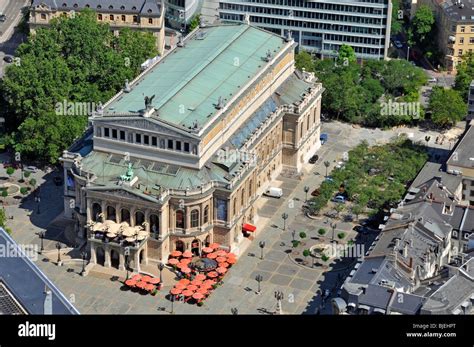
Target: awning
x,y
249,227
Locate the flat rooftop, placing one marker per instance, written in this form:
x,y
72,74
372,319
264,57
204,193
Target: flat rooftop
x,y
216,62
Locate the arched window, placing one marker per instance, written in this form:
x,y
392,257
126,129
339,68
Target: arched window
x,y
139,218
111,213
125,215
180,219
154,224
96,211
206,215
194,218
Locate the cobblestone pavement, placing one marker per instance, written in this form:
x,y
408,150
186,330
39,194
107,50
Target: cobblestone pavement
x,y
100,292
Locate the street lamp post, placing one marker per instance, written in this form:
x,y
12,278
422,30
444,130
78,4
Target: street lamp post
x,y
293,234
284,216
83,254
279,298
326,164
58,247
172,304
161,267
261,244
259,278
333,226
306,190
408,53
41,235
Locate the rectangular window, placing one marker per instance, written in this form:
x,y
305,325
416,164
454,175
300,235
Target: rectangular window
x,y
135,19
114,133
221,207
154,141
150,20
460,52
178,145
106,132
123,18
461,40
170,144
472,29
471,40
146,139
122,135
186,147
138,138
99,16
43,16
111,17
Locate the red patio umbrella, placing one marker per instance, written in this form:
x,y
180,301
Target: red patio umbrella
x,y
221,259
223,264
146,278
137,277
181,265
192,287
208,250
196,282
209,282
185,270
231,255
141,285
154,281
180,286
212,274
131,282
187,254
200,277
203,290
187,292
198,296
212,255
231,260
221,253
176,254
150,287
184,281
173,261
176,291
214,245
221,270
185,261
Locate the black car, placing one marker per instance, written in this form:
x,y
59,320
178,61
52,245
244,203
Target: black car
x,y
3,18
58,180
314,159
8,59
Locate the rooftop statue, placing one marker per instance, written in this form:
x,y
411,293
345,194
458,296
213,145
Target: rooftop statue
x,y
148,101
129,174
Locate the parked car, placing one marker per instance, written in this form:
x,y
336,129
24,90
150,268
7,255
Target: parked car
x,y
31,169
313,159
339,165
339,199
58,180
8,59
433,80
323,138
274,192
397,44
316,192
329,179
3,18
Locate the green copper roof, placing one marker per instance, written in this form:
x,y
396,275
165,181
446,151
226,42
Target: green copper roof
x,y
187,83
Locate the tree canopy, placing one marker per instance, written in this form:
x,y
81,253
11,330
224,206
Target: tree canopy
x,y
77,60
447,107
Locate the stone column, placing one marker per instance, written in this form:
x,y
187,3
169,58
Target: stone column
x,y
132,210
161,223
93,254
89,210
147,220
121,260
103,206
107,262
118,208
145,254
136,258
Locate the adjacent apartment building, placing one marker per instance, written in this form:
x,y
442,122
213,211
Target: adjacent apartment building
x,y
320,26
146,15
455,28
178,159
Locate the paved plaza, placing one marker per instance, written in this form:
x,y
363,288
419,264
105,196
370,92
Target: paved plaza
x,y
101,291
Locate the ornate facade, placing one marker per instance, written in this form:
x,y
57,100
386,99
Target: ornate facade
x,y
222,126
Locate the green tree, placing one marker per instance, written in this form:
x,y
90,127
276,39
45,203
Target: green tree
x,y
465,74
302,235
27,174
357,210
74,60
33,182
303,60
194,23
346,55
447,107
4,193
322,231
421,26
23,190
10,171
397,18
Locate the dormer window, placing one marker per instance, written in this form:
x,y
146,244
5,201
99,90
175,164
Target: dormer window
x,y
75,6
122,7
64,5
99,6
149,10
88,6
111,7
134,8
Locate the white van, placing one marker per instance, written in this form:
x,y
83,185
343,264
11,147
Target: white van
x,y
274,192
